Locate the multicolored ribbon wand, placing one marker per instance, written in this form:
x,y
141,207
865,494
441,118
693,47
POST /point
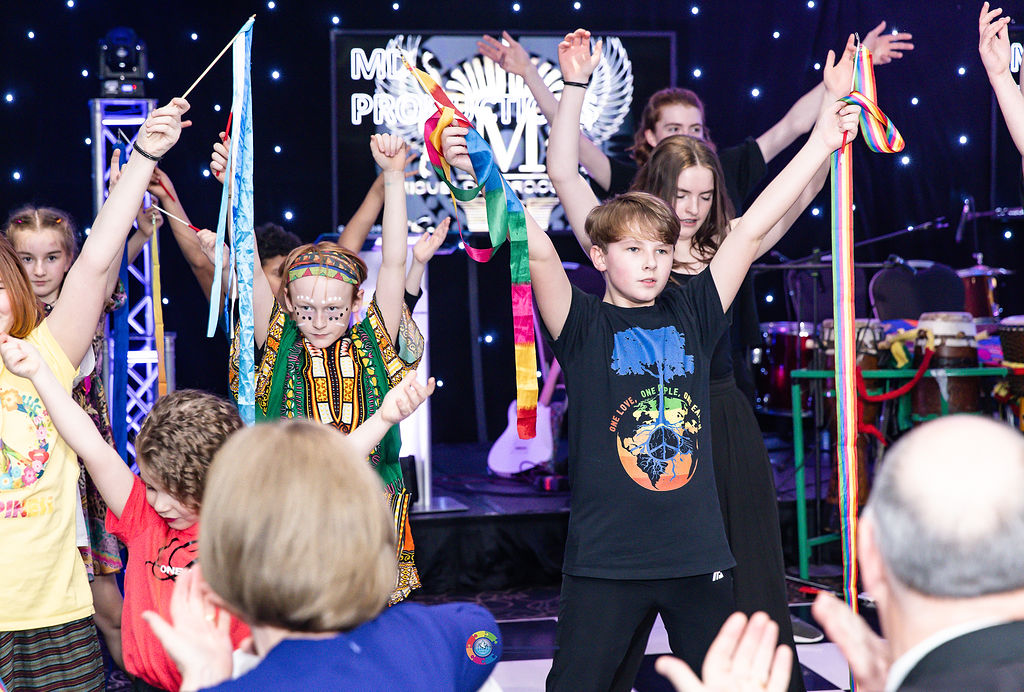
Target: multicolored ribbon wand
x,y
881,136
506,218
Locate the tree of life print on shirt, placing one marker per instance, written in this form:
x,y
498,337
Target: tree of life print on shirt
x,y
19,469
656,429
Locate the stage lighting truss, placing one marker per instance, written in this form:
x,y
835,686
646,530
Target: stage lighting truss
x,y
136,367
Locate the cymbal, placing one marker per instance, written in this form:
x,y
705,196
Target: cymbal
x,y
982,270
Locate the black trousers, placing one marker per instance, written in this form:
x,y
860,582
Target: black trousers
x,y
600,620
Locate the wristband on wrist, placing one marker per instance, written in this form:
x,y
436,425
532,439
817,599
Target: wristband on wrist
x,y
582,85
146,154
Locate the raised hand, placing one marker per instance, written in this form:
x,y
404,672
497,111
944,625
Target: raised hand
x,y
20,357
886,47
743,658
454,149
836,120
163,127
161,187
144,220
429,242
389,151
575,58
838,75
208,244
199,640
219,157
402,400
510,56
115,169
868,654
994,41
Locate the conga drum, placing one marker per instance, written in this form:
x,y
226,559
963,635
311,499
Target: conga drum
x,y
869,334
785,346
955,347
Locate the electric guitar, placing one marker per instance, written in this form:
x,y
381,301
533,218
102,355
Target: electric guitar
x,y
510,455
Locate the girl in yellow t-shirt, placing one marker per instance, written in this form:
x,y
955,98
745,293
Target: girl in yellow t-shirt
x,y
47,637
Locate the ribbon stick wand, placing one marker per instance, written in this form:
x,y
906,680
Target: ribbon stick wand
x,y
210,66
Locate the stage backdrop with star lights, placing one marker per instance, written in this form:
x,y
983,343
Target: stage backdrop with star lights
x,y
749,62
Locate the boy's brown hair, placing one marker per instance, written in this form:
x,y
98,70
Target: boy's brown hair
x,y
634,214
297,533
179,437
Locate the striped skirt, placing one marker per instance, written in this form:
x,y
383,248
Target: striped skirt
x,y
57,658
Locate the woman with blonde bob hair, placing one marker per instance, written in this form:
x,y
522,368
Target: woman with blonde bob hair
x,y
298,541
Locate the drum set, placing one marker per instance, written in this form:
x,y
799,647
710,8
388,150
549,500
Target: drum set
x,y
792,345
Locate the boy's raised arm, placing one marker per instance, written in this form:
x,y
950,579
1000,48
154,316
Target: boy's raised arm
x,y
577,198
399,403
111,475
389,153
551,285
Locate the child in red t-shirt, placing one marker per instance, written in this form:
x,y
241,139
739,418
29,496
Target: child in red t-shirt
x,y
156,513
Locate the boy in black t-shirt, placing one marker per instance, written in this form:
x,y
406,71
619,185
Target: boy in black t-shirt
x,y
645,530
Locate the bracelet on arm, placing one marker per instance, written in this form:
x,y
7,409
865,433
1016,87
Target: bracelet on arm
x,y
136,147
581,85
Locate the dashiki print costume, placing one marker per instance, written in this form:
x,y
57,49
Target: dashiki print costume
x,y
342,385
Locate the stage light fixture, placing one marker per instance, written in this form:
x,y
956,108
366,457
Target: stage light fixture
x,y
122,63
70,4
439,382
394,6
815,211
165,301
149,75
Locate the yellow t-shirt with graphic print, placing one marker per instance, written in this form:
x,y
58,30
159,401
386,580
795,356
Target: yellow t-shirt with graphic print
x,y
42,576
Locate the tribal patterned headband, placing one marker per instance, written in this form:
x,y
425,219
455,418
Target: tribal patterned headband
x,y
332,265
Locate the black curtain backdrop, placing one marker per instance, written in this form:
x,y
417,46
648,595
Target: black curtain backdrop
x,y
45,126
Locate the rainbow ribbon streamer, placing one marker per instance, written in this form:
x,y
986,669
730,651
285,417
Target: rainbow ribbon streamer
x,y
881,136
506,218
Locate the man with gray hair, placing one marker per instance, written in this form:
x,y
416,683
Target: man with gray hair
x,y
941,550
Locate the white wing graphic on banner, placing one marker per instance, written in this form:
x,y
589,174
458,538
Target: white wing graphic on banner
x,y
610,93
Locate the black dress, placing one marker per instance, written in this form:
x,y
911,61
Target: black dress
x,y
746,494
